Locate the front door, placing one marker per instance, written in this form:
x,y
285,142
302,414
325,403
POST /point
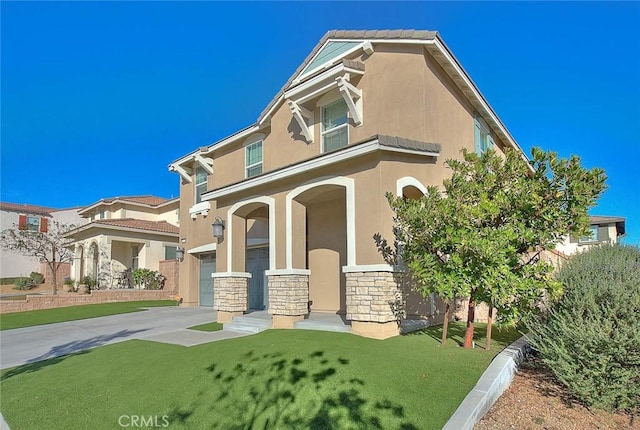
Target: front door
x,y
257,263
207,267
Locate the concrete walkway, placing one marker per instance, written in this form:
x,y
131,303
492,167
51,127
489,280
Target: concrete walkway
x,y
163,324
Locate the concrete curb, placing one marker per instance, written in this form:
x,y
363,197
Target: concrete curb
x,y
491,385
3,424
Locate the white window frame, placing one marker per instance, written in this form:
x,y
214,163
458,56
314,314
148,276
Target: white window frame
x,y
251,166
197,197
33,223
338,99
486,143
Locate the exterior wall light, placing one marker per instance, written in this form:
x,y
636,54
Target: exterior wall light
x,y
179,253
218,228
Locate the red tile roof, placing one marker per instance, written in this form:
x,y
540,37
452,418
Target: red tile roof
x,y
26,208
139,224
145,200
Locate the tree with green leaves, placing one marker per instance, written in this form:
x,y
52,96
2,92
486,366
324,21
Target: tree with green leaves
x,y
51,247
482,236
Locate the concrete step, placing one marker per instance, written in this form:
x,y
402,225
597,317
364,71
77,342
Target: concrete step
x,y
249,324
325,322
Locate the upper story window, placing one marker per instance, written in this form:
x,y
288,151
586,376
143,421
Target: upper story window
x,y
483,139
33,223
200,183
103,214
594,235
335,126
253,159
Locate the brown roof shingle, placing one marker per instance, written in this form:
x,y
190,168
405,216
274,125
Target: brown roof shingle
x,y
145,200
26,208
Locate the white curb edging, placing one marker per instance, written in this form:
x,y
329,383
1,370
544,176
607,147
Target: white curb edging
x,y
493,382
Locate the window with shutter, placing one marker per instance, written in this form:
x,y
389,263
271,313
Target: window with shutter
x,y
44,225
22,222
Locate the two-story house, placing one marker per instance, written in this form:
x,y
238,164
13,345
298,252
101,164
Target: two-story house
x,y
284,214
602,229
125,233
33,218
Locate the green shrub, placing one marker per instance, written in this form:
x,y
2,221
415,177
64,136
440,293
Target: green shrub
x,y
90,283
38,278
24,283
590,339
148,279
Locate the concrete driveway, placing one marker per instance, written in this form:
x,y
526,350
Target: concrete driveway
x,y
163,324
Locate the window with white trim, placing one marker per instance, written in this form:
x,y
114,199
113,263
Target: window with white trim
x,y
483,139
335,126
200,183
253,159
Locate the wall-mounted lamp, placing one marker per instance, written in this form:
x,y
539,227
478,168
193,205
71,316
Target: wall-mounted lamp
x,y
183,240
179,253
218,228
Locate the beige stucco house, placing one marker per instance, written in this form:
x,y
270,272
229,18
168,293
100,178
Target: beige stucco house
x,y
603,229
125,233
301,192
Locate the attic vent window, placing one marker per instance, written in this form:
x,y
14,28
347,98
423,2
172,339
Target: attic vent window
x,y
330,51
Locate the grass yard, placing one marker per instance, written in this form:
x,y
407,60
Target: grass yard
x,y
72,313
278,379
212,326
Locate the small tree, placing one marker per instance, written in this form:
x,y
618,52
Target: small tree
x,y
482,237
51,247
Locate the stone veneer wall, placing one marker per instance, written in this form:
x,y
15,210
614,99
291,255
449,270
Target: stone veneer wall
x,y
230,294
288,294
369,295
61,300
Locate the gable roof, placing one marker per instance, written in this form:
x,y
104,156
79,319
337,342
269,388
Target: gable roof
x,y
27,208
432,42
130,224
144,200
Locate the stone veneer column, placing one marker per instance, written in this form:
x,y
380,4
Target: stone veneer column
x,y
230,295
288,298
369,298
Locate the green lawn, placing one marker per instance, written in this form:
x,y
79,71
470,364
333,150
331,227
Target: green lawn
x,y
278,379
71,313
213,326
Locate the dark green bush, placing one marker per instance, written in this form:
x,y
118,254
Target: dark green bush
x,y
148,279
590,339
37,278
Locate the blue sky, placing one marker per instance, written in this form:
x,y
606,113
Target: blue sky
x,y
98,98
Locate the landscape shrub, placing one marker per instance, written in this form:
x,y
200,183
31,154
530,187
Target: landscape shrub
x,y
24,283
148,279
590,338
38,278
90,283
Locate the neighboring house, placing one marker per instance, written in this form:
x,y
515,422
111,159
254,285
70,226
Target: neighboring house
x,y
125,233
603,229
34,218
297,199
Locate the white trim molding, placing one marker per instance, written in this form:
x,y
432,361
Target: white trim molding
x,y
304,118
353,98
209,247
231,275
343,154
371,268
270,202
200,208
409,181
348,184
282,272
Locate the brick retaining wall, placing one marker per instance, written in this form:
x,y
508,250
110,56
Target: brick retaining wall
x,y
62,300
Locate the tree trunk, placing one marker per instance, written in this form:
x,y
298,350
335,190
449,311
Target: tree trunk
x,y
54,271
489,322
445,326
468,337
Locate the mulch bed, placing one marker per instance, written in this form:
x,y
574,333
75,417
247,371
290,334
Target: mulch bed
x,y
536,400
